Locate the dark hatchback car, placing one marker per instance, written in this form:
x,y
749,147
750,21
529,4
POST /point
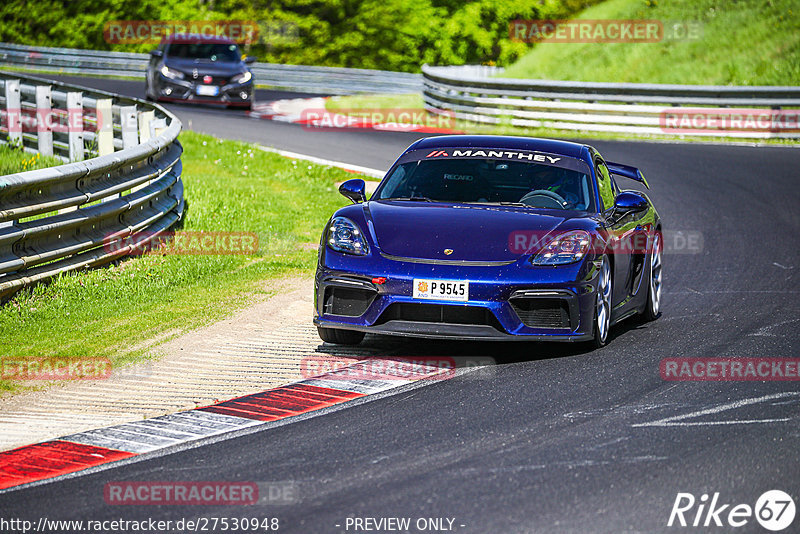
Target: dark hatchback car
x,y
200,69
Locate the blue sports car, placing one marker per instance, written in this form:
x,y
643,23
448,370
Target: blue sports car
x,y
489,237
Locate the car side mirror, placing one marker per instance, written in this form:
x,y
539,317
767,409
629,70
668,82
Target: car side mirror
x,y
355,190
630,202
249,60
157,53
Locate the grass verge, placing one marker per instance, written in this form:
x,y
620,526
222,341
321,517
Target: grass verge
x,y
229,186
741,42
14,160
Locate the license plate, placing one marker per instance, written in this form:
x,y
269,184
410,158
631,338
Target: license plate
x,y
207,90
441,289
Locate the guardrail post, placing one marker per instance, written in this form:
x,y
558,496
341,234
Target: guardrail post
x,y
145,118
44,119
105,127
75,125
130,131
157,126
13,112
130,126
105,133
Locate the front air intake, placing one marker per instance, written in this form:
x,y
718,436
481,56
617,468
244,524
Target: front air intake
x,y
542,312
347,301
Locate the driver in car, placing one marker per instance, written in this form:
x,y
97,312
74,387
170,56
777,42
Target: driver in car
x,y
561,183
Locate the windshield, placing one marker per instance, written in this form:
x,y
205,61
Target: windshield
x,y
489,181
204,51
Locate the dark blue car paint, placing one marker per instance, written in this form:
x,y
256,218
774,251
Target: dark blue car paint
x,y
406,240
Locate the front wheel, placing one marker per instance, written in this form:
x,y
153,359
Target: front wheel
x,y
340,337
653,307
602,306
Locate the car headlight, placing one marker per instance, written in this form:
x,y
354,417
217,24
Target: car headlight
x,y
242,78
568,247
345,236
172,74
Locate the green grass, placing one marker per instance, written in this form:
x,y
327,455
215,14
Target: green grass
x,y
229,186
387,101
744,42
14,160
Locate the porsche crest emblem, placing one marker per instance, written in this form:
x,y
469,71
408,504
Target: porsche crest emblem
x,y
448,251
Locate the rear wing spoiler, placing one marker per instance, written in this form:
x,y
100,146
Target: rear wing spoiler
x,y
627,171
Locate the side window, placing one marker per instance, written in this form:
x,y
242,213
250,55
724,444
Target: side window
x,y
604,185
396,183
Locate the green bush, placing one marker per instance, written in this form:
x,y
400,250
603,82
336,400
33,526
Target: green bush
x,y
376,34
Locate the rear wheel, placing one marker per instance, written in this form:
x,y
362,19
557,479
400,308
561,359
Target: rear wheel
x,y
340,337
653,306
602,306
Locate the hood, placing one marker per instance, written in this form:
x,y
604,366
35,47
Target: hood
x,y
474,233
210,68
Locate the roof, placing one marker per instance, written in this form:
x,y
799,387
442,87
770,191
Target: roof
x,y
552,146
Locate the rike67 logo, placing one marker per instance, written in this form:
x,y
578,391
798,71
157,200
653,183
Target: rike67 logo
x,y
774,510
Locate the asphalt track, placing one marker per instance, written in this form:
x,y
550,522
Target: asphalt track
x,y
553,438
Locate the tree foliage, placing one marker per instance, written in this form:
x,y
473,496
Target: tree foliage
x,y
375,34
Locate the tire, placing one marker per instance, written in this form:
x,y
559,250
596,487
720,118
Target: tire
x,y
652,308
340,337
602,305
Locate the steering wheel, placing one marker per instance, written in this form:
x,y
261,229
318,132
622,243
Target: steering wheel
x,y
546,199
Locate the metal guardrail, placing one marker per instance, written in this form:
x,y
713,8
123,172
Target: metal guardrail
x,y
328,80
90,211
473,93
